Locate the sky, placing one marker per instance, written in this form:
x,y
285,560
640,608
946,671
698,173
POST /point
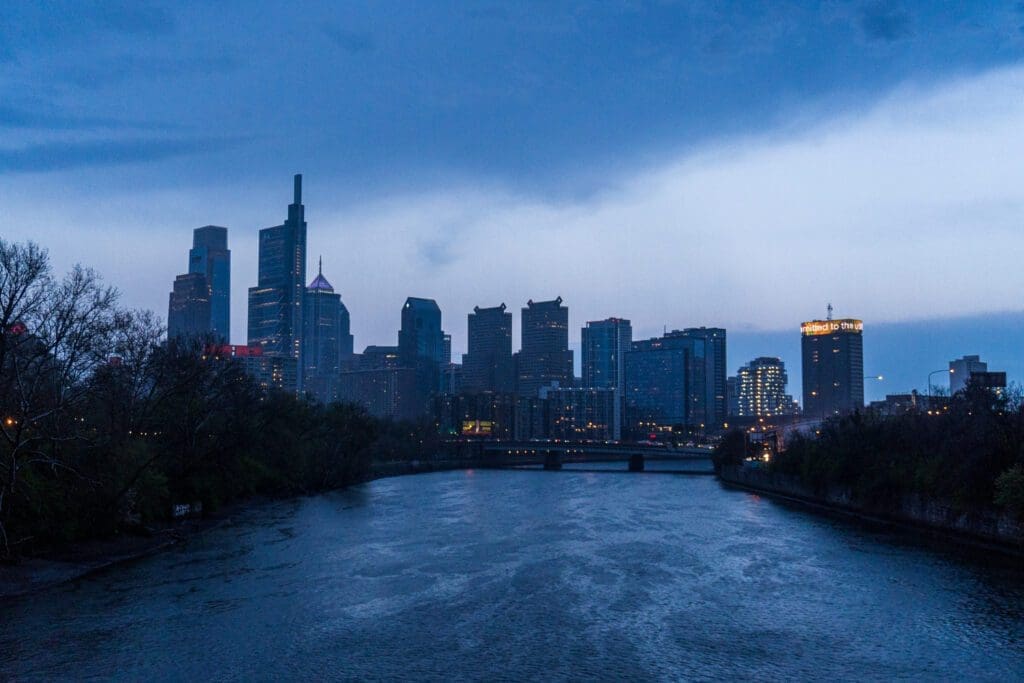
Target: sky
x,y
736,164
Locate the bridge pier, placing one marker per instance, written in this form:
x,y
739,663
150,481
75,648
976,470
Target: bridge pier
x,y
552,460
636,462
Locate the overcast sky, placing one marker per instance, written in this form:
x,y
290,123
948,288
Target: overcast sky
x,y
675,163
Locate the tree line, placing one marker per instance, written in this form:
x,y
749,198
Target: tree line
x,y
969,454
105,426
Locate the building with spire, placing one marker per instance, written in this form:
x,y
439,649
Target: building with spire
x,y
275,303
326,339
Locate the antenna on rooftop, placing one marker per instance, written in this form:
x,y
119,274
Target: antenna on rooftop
x,y
829,311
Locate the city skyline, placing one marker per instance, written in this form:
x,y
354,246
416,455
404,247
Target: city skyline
x,y
861,138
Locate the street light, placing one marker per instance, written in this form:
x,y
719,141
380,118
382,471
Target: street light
x,y
878,377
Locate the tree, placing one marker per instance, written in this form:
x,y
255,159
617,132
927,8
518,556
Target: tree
x,y
53,335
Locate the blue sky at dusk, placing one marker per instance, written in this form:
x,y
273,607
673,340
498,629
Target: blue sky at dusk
x,y
676,163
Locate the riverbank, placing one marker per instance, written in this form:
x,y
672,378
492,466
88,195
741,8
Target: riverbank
x,y
988,529
78,560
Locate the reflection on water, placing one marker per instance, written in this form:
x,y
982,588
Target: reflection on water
x,y
507,574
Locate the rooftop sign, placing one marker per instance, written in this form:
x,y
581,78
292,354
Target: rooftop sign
x,y
844,326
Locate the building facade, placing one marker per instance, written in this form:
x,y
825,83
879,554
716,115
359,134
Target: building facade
x,y
761,389
832,355
544,356
275,303
960,371
580,413
326,339
666,386
188,308
211,257
487,365
604,347
716,370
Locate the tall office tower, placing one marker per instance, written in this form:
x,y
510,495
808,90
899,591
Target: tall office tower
x,y
326,341
832,354
421,347
275,303
446,348
605,344
211,257
717,372
188,310
544,356
487,366
960,371
761,389
666,385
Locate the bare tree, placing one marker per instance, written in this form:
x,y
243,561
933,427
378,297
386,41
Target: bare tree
x,y
53,336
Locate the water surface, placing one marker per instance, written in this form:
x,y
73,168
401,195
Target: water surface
x,y
496,575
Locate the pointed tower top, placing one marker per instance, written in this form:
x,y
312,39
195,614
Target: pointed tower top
x,y
320,265
298,188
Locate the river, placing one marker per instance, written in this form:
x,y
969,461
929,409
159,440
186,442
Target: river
x,y
499,575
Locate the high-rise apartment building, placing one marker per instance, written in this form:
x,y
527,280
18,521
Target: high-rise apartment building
x,y
544,356
761,389
275,303
326,339
487,365
604,347
832,354
211,257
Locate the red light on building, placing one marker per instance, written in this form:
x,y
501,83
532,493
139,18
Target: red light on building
x,y
233,351
17,328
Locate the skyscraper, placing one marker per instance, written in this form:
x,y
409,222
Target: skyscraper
x,y
487,365
421,347
211,257
605,344
326,340
832,354
275,303
188,309
199,305
666,384
716,372
761,389
544,356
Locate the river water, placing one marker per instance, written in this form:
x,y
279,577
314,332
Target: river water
x,y
510,575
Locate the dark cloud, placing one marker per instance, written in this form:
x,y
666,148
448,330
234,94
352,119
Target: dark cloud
x,y
352,42
63,156
884,22
133,18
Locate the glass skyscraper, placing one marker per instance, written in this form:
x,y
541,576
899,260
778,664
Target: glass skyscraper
x,y
421,347
200,303
666,384
275,303
604,348
716,371
326,339
211,257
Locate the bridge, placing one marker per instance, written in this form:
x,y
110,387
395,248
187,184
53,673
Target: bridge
x,y
552,455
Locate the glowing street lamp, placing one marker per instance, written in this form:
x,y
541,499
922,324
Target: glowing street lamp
x,y
935,372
